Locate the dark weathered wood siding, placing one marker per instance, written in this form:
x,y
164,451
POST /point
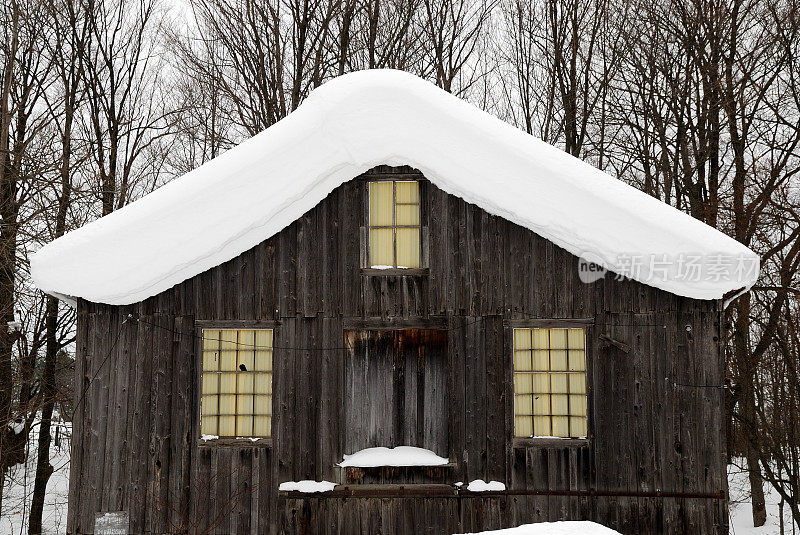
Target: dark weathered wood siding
x,y
655,427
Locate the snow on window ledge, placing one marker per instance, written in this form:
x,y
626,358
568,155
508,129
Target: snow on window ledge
x,y
306,486
399,456
210,439
480,485
549,437
564,527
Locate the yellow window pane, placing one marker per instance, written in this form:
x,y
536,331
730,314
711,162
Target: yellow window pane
x,y
558,338
227,361
541,383
381,247
406,214
210,360
263,361
577,360
541,404
381,200
227,383
263,383
210,339
263,339
407,191
244,383
246,339
263,405
561,426
522,405
522,361
522,338
577,405
577,427
208,425
558,359
577,383
522,383
575,339
262,426
541,426
208,405
558,404
244,426
408,247
227,404
558,383
209,382
523,426
244,405
246,358
229,339
541,360
540,339
227,426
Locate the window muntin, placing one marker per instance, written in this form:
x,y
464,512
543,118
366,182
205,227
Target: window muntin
x,y
394,224
236,383
550,383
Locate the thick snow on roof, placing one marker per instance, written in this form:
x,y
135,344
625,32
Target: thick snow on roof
x,y
343,129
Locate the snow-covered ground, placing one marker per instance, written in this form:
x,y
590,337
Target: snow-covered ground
x,y
741,514
16,500
19,488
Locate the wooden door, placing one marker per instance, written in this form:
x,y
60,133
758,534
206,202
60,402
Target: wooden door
x,y
396,389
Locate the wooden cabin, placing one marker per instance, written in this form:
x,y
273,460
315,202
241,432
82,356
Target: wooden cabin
x,y
390,313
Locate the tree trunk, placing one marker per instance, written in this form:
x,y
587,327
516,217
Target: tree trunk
x,y
8,240
43,467
747,367
49,388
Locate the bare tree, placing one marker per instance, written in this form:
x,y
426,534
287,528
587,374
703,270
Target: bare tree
x,y
25,76
67,46
126,115
455,32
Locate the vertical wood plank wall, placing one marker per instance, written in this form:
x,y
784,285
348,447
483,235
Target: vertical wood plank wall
x,y
135,442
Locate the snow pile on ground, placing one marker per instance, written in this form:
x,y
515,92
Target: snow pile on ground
x,y
399,456
480,485
306,486
346,127
18,489
554,528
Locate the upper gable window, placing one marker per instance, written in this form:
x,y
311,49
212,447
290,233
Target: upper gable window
x,y
394,224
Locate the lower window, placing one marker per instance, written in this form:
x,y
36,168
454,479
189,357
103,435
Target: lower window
x,y
550,383
236,383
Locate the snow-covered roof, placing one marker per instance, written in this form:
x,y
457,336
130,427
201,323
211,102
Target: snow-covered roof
x,y
346,127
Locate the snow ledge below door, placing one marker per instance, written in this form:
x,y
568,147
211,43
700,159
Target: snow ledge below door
x,y
399,456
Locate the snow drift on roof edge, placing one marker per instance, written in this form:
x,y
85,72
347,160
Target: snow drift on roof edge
x,y
347,126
